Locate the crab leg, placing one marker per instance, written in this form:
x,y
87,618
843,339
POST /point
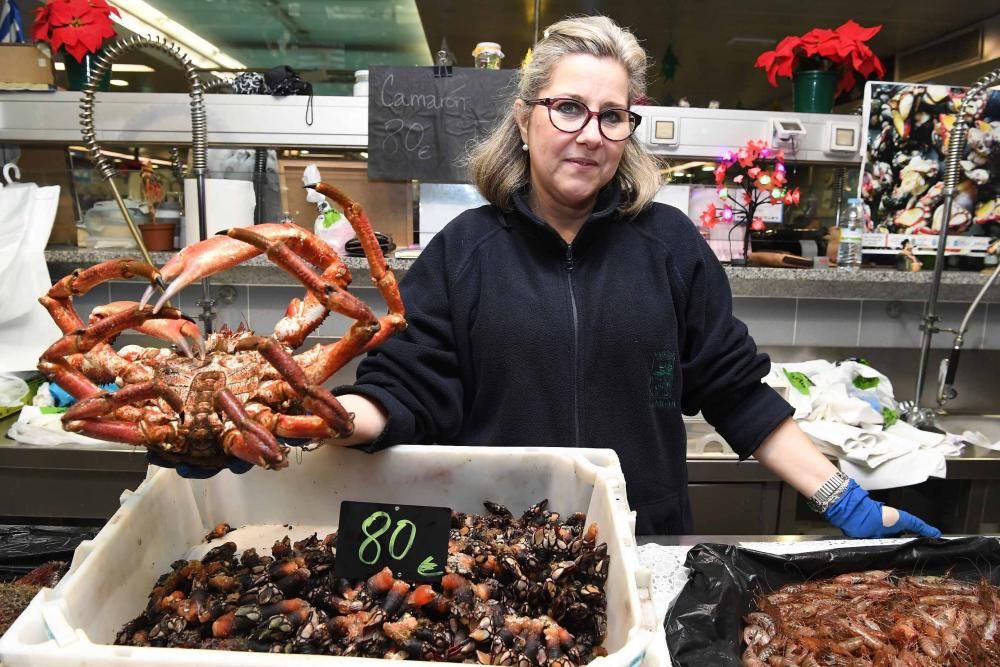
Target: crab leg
x,y
177,332
246,439
83,340
224,252
364,335
384,279
104,403
55,365
59,299
331,295
130,433
315,397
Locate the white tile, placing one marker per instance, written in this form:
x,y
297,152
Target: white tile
x,y
770,321
828,322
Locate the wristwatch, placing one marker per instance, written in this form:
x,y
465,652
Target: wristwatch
x,y
829,493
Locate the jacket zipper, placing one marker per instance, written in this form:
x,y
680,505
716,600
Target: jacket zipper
x,y
576,347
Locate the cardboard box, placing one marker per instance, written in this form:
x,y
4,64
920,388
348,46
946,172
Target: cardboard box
x,y
389,205
26,67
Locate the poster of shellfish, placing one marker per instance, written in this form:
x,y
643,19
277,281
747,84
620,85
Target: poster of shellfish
x,y
903,165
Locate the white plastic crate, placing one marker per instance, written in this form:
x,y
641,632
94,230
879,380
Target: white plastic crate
x,y
167,518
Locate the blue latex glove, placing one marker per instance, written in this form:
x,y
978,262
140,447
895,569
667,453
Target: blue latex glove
x,y
61,398
234,465
859,516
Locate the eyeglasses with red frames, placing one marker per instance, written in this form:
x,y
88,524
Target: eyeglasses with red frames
x,y
569,115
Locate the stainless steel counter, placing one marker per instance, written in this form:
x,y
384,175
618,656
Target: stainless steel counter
x,y
84,482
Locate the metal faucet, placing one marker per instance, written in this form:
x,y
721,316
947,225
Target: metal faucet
x,y
199,140
974,100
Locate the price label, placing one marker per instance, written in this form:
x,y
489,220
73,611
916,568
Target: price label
x,y
411,540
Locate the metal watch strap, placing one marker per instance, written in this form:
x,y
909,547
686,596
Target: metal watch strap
x,y
829,493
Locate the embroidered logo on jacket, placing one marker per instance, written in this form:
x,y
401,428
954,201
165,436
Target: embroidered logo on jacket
x,y
661,380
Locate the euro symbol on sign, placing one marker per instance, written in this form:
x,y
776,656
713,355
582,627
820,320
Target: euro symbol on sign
x,y
427,568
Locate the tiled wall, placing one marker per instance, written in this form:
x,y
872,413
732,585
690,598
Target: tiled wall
x,y
886,332
861,324
258,306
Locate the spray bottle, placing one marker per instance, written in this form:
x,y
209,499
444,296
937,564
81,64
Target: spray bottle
x,y
330,225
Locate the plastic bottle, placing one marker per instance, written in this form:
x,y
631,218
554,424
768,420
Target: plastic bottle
x,y
361,83
852,227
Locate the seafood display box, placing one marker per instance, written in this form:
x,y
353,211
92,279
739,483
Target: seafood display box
x,y
168,516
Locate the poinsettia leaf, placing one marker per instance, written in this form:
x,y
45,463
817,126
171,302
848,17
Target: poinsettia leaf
x,y
66,35
91,39
787,46
765,59
66,12
784,69
78,52
858,32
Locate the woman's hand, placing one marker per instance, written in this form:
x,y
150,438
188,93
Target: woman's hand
x,y
369,422
859,516
790,454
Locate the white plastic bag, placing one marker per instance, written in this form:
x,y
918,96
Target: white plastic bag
x,y
27,213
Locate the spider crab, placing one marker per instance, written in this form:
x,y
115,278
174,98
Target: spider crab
x,y
235,393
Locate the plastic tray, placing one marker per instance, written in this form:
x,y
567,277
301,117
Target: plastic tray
x,y
167,517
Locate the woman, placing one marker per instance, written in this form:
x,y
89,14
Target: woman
x,y
573,311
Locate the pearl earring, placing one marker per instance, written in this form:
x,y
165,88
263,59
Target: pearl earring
x,y
524,147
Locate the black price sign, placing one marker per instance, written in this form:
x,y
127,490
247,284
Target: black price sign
x,y
411,540
420,124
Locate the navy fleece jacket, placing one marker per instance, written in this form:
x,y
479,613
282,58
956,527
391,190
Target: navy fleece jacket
x,y
517,338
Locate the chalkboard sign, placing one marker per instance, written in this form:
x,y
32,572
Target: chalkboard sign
x,y
420,123
411,540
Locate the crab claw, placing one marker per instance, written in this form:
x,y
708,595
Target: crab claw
x,y
178,332
199,261
223,252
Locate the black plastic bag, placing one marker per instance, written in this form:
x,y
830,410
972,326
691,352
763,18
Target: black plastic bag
x,y
283,80
23,548
353,248
704,626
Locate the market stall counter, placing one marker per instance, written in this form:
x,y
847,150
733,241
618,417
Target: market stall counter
x,y
84,483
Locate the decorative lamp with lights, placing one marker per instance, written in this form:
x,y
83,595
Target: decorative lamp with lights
x,y
822,64
757,176
78,29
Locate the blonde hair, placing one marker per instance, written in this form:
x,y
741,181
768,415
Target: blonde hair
x,y
497,164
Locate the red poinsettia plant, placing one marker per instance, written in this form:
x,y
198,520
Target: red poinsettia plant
x,y
77,26
758,172
842,50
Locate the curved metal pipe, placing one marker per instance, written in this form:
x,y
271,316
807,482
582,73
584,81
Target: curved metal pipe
x,y
199,138
973,102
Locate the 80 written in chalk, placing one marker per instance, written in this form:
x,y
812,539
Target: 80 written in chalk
x,y
411,540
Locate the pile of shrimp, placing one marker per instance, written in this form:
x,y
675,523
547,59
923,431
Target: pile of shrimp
x,y
875,618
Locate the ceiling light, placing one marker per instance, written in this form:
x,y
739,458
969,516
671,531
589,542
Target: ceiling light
x,y
123,156
115,67
708,168
119,82
143,19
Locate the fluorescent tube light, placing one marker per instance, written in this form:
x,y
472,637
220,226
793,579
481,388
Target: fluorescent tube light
x,y
115,67
144,19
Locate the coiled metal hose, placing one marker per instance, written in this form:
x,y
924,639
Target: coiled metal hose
x,y
199,138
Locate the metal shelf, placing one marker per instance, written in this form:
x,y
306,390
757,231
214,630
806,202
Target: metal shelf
x,y
165,118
